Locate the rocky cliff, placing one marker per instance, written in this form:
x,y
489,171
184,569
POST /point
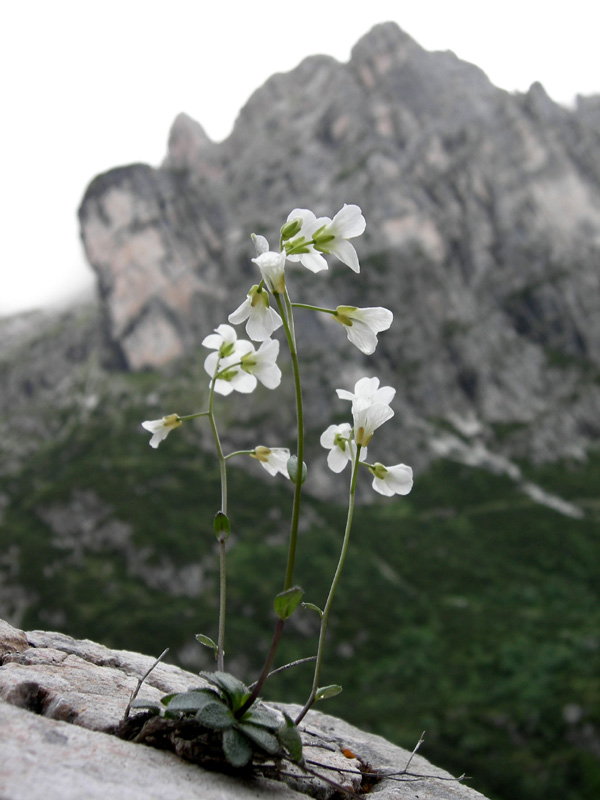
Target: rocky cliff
x,y
483,238
62,699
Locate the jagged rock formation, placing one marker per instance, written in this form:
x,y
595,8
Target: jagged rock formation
x,y
61,699
483,235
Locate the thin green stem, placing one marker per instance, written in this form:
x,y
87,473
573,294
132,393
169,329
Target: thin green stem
x,y
238,453
222,604
332,590
194,416
285,309
288,324
222,554
315,308
265,670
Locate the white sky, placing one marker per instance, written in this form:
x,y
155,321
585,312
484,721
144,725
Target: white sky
x,y
88,85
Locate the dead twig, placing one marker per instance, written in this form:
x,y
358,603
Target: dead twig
x,y
134,694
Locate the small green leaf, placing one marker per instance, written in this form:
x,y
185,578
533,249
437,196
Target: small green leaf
x,y
217,716
289,737
292,468
262,717
285,603
324,692
147,704
192,701
234,690
260,736
313,607
207,642
221,526
167,698
236,747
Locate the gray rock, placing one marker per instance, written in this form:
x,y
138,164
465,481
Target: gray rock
x,y
60,698
483,238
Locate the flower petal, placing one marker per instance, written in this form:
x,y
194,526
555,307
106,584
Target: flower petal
x,y
349,222
346,253
241,313
361,336
313,261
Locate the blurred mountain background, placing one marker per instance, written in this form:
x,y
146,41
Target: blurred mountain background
x,y
483,238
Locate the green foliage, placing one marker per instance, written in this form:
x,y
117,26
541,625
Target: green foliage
x,y
466,610
325,692
241,731
208,642
221,526
285,603
292,468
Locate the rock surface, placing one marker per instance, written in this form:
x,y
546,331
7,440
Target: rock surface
x,y
59,697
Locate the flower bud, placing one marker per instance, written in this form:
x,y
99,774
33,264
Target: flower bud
x,y
221,526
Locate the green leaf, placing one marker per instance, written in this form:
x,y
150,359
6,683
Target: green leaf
x,y
235,691
260,736
289,737
263,717
207,642
292,468
236,747
217,716
147,704
324,692
167,698
285,603
221,526
313,607
192,701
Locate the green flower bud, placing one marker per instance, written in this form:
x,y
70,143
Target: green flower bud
x,y
292,468
221,526
290,229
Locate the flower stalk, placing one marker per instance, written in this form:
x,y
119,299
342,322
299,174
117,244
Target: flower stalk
x,y
222,537
237,365
332,590
285,308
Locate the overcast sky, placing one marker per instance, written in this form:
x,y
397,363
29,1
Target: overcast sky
x,y
90,85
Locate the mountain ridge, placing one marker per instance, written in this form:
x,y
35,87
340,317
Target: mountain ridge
x,y
483,237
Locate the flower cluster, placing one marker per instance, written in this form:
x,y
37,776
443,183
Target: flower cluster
x,y
305,238
370,409
237,365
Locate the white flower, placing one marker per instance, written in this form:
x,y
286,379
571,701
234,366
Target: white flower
x,y
260,244
363,324
273,459
231,377
342,449
347,223
367,392
161,428
392,480
272,269
367,419
323,235
262,364
262,320
297,234
224,340
226,361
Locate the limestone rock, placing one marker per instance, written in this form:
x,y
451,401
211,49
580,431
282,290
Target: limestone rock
x,y
60,698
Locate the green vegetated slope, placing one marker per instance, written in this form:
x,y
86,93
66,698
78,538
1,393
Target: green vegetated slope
x,y
466,610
